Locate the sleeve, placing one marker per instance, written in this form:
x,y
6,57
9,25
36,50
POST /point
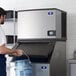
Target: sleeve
x,y
2,39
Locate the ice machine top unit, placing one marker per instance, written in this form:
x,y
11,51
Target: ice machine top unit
x,y
41,24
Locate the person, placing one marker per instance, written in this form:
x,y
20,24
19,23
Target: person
x,y
3,49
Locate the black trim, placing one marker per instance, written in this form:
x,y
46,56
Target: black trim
x,y
10,14
10,39
64,24
44,40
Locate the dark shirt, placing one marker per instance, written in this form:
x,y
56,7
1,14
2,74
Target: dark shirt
x,y
2,65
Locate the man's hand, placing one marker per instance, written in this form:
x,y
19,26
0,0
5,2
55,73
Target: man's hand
x,y
5,50
17,52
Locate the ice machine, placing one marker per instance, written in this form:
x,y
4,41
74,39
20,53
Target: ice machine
x,y
40,31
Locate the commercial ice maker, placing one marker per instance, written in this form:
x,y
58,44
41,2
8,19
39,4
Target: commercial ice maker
x,y
42,36
41,23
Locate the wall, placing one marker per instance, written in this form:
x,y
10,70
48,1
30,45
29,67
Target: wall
x,y
67,5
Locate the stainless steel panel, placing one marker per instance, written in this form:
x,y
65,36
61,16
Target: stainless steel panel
x,y
58,60
36,24
41,69
58,24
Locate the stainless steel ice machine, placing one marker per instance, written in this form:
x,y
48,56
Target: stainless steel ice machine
x,y
42,36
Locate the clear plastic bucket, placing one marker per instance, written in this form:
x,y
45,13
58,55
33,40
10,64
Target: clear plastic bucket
x,y
23,68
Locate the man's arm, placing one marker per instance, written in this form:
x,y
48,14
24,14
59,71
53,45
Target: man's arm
x,y
5,50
